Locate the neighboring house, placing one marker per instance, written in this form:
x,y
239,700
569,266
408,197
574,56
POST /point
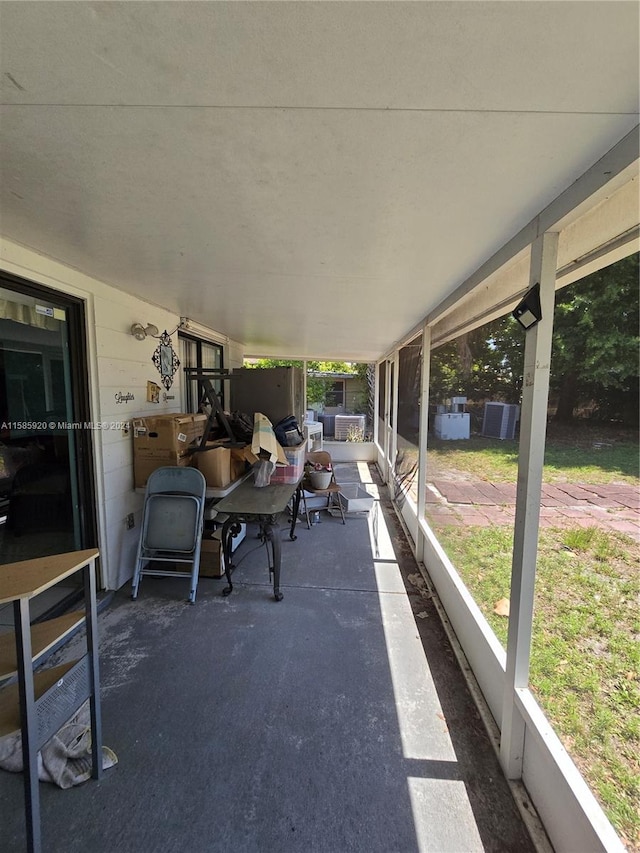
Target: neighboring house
x,y
346,393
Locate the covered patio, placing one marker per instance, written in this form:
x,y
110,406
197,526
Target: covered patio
x,y
309,181
338,719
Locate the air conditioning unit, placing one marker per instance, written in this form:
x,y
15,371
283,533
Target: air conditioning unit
x,y
500,420
344,423
452,425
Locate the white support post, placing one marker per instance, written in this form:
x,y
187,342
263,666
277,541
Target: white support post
x,y
393,449
388,404
423,438
376,405
533,423
304,389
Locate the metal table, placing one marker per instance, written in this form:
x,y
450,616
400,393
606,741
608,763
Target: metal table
x,y
248,503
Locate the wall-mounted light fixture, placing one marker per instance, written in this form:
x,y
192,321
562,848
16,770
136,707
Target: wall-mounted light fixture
x,y
528,312
140,332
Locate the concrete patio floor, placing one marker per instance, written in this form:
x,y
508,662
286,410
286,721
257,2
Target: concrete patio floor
x,y
335,720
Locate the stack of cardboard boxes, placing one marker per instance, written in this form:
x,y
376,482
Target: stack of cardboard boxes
x,y
164,440
174,440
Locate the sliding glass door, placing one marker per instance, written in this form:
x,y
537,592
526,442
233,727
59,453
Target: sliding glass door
x,y
46,495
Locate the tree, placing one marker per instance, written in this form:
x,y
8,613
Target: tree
x,y
272,362
595,344
595,351
485,364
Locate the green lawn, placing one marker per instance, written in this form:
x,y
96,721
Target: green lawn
x,y
600,461
585,659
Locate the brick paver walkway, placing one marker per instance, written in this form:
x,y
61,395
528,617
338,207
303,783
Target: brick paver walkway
x,y
611,507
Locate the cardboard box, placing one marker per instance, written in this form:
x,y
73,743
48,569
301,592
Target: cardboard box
x,y
211,556
143,466
158,434
291,472
220,465
215,464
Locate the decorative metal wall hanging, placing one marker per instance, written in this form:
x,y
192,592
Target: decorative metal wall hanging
x,y
166,360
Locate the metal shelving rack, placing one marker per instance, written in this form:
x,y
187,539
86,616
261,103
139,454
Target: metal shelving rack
x,y
40,704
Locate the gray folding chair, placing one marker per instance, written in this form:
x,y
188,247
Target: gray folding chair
x,y
171,525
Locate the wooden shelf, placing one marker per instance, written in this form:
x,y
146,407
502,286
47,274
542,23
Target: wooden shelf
x,y
10,700
44,635
37,704
31,577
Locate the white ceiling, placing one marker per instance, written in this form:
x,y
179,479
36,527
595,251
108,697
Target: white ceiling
x,y
309,178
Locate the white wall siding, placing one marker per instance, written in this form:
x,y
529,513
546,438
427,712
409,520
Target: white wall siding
x,y
351,451
124,367
118,363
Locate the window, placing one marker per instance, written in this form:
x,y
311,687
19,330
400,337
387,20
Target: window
x,y
198,354
335,394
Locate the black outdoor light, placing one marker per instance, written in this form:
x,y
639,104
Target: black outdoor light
x,y
528,311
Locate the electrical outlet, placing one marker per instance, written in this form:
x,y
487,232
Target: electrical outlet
x,y
129,521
